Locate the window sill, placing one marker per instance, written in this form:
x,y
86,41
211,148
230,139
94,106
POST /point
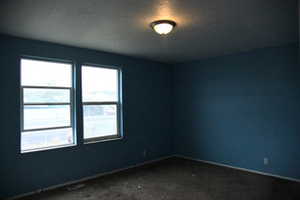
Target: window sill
x,y
102,139
47,148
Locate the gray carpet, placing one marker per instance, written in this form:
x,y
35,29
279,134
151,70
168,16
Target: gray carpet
x,y
176,178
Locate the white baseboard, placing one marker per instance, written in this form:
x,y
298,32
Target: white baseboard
x,y
86,178
239,168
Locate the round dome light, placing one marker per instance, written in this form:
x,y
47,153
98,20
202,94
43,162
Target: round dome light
x,y
163,27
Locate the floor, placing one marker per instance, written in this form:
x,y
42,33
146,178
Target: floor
x,y
175,179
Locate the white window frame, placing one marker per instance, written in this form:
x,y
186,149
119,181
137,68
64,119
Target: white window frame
x,y
117,103
71,104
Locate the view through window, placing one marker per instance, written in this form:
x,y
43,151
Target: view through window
x,y
46,104
101,105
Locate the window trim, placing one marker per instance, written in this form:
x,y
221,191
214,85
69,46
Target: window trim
x,y
72,103
118,104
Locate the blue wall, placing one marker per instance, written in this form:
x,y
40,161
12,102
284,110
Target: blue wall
x,y
146,103
238,109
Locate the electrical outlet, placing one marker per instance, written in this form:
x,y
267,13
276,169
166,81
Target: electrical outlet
x,y
145,153
266,161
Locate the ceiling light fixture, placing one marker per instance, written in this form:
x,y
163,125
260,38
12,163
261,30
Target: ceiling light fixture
x,y
163,27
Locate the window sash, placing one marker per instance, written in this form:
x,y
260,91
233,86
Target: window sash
x,y
45,103
118,72
49,147
48,60
107,137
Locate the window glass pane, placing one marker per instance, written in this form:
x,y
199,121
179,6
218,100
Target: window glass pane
x,y
48,138
99,84
99,120
35,95
46,116
43,73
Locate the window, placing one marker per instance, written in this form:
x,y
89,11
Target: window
x,y
46,104
101,103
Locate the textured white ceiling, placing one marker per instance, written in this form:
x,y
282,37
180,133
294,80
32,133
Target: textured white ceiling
x,y
205,28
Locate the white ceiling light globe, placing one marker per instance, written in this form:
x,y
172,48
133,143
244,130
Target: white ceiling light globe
x,y
163,27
